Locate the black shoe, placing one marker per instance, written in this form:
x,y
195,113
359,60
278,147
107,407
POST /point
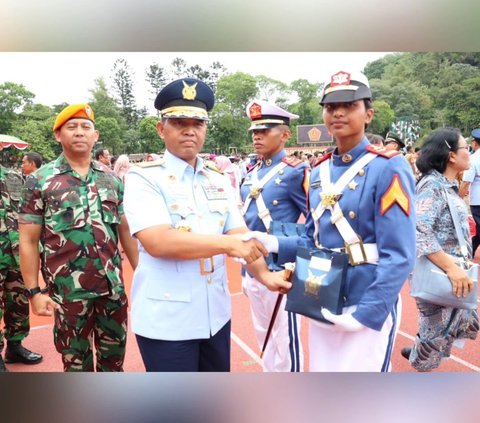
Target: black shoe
x,y
406,352
17,353
2,365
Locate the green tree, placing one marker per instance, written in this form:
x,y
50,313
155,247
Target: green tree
x,y
157,77
110,134
229,121
40,138
307,106
272,90
382,119
150,141
179,68
13,97
103,104
123,86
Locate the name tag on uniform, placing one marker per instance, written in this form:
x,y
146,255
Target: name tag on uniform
x,y
213,192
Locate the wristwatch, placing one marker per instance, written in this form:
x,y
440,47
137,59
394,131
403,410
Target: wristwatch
x,y
29,293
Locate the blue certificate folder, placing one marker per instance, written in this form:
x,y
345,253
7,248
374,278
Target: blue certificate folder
x,y
318,282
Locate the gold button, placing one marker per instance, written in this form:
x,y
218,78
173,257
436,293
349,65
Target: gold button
x,y
209,279
275,202
281,172
171,177
351,214
361,172
347,158
174,207
221,222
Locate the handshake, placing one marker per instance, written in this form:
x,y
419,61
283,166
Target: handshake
x,y
262,242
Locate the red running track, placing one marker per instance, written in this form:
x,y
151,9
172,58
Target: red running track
x,y
245,352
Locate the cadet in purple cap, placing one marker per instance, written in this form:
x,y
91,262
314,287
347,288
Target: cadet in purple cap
x,y
274,190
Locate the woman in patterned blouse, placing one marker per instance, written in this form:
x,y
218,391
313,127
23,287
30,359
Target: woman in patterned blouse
x,y
444,155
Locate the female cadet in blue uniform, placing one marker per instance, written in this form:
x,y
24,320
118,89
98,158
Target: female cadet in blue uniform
x,y
373,209
184,215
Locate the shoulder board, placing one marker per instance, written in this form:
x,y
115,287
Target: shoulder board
x,y
291,161
212,167
322,159
382,151
150,164
254,166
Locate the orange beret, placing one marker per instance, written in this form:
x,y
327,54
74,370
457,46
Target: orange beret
x,y
82,111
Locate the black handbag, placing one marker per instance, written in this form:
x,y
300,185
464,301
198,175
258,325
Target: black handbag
x,y
430,283
317,282
282,229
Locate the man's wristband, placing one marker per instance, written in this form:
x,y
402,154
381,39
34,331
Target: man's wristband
x,y
30,292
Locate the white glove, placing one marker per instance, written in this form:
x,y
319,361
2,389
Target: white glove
x,y
270,242
345,322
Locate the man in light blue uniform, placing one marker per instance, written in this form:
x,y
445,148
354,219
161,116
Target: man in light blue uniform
x,y
274,190
361,196
184,216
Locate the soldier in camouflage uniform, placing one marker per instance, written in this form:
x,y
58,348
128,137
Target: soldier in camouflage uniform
x,y
74,206
13,302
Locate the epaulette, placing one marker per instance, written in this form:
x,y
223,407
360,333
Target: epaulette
x,y
212,167
254,166
291,161
150,164
322,159
382,151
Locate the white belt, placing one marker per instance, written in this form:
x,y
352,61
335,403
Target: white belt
x,y
360,253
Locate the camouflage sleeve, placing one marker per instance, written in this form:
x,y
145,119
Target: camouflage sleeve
x,y
121,190
31,207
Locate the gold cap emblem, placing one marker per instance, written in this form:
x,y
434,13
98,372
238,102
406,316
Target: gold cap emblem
x,y
189,92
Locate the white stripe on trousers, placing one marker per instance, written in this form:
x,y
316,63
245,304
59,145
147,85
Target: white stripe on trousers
x,y
284,352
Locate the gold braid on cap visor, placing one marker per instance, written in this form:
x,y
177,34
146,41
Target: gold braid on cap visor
x,y
341,88
185,111
261,122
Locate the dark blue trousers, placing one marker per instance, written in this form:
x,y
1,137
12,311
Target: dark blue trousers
x,y
194,355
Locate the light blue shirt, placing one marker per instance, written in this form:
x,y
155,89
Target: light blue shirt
x,y
472,175
170,299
